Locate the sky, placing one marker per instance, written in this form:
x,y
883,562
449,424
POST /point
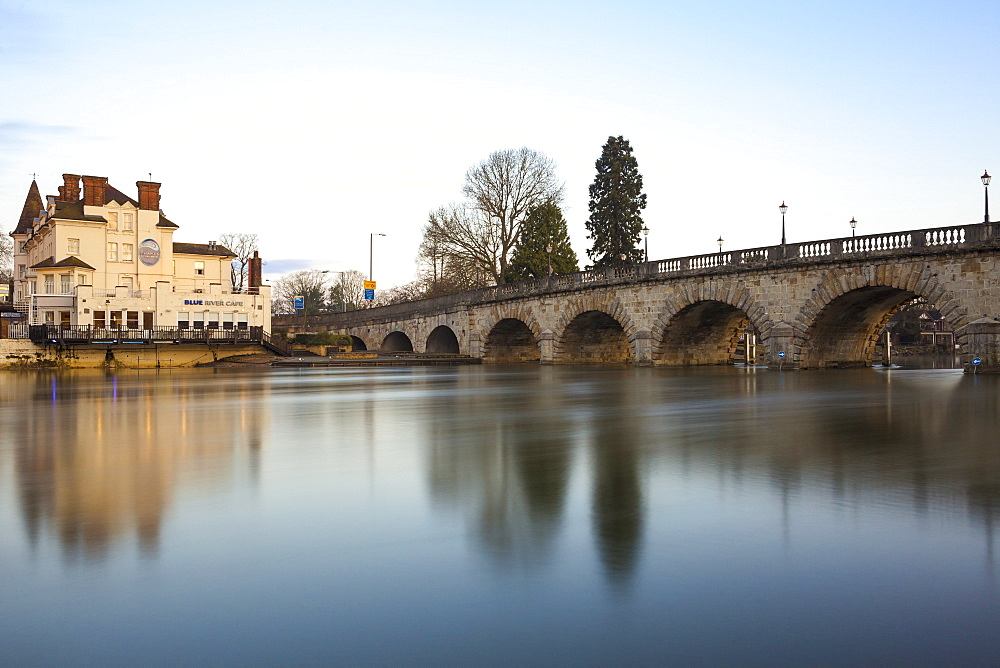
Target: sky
x,y
317,124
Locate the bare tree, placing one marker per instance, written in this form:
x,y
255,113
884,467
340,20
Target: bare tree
x,y
504,188
6,257
309,283
348,291
243,245
461,241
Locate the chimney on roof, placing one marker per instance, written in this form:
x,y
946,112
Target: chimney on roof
x,y
254,275
149,195
93,190
211,245
70,190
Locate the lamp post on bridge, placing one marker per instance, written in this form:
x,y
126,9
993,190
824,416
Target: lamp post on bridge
x,y
548,249
371,248
720,242
783,208
343,297
645,235
853,224
986,194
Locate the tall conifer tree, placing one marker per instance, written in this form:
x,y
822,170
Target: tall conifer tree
x,y
616,200
543,225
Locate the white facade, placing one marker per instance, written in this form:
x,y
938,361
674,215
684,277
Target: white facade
x,y
109,261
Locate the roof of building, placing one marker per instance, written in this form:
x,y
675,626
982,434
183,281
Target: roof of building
x,y
71,261
74,211
112,194
32,205
164,222
203,249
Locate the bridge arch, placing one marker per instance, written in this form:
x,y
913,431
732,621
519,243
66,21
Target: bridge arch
x,y
840,322
396,342
595,330
703,326
511,335
442,339
357,343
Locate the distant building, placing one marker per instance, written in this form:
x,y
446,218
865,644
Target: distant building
x,y
935,330
102,259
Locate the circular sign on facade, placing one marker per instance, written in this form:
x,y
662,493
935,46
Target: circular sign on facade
x,y
149,252
781,354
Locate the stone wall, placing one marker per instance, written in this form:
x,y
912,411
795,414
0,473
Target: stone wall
x,y
21,353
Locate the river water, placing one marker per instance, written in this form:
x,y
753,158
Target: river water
x,y
499,515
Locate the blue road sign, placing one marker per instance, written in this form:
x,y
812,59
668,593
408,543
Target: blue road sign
x,y
781,354
369,294
298,303
977,361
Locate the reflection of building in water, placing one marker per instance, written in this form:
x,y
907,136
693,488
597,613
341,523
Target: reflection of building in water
x,y
99,458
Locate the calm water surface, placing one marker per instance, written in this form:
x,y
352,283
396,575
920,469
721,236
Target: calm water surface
x,y
499,515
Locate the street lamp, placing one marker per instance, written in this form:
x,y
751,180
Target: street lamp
x,y
371,245
986,193
783,208
853,224
340,277
645,234
720,245
548,249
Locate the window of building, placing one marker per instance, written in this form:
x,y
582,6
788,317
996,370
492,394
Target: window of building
x,y
50,284
21,269
241,320
50,317
126,252
112,220
65,283
227,321
127,222
116,319
198,320
183,320
99,320
82,279
132,319
73,246
199,268
213,320
24,245
112,252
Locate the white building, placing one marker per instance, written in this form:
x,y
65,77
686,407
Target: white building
x,y
105,261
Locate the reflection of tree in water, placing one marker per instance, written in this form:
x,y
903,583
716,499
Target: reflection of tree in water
x,y
97,457
509,468
617,496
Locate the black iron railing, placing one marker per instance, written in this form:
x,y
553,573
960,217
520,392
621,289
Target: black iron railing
x,y
88,334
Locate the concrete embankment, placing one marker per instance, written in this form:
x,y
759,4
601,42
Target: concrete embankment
x,y
23,354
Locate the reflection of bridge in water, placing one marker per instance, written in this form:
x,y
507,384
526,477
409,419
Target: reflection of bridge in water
x,y
820,303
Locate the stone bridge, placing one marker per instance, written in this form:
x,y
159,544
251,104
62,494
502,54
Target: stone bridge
x,y
818,304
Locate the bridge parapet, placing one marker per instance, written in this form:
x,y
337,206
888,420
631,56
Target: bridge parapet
x,y
867,247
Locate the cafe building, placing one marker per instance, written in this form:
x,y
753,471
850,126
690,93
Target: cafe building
x,y
94,257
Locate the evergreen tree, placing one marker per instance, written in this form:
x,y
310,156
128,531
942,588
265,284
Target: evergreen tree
x,y
543,225
616,200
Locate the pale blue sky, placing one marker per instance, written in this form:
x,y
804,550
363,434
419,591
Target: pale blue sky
x,y
313,124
